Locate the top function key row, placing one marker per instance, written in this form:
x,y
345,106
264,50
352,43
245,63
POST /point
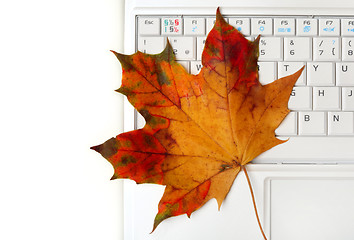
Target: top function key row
x,y
248,26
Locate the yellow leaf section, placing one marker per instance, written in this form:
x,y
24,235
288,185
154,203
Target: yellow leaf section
x,y
263,109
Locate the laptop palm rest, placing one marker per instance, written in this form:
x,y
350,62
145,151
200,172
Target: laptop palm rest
x,y
312,208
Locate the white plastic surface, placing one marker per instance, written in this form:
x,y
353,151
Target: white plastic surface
x,y
309,208
288,198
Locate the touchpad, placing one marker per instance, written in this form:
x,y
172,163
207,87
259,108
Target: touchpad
x,y
310,209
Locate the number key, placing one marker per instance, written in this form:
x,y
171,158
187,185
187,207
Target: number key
x,y
326,49
297,49
348,49
271,49
183,47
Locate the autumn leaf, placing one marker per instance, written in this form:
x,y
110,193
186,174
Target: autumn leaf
x,y
200,129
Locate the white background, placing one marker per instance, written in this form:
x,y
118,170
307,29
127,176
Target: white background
x,y
57,100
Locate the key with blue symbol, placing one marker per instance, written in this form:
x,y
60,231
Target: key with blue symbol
x,y
326,49
329,27
306,27
194,26
241,24
262,26
347,27
284,26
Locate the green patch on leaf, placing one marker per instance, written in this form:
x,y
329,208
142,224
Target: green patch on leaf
x,y
126,160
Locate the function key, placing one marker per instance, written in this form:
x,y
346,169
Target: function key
x,y
241,24
263,26
211,22
194,26
347,27
306,27
329,27
284,26
149,26
171,26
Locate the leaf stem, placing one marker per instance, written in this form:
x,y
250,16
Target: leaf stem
x,y
254,201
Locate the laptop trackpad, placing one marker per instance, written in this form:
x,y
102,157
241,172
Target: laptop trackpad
x,y
310,209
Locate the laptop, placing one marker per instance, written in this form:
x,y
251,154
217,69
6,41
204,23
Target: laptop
x,y
304,188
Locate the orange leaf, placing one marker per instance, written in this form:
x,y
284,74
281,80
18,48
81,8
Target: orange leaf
x,y
200,129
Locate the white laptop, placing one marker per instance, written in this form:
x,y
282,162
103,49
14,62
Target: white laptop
x,y
304,188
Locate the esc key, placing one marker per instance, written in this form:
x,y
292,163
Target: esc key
x,y
149,26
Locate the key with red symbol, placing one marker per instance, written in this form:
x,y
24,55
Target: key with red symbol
x,y
171,26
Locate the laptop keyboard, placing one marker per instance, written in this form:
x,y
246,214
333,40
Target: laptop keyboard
x,y
322,101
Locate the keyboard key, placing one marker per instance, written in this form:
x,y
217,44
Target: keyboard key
x,y
287,68
300,99
348,49
151,45
200,47
284,27
171,26
312,123
326,49
183,47
347,27
306,27
345,74
348,99
329,27
148,26
262,26
210,24
297,49
326,98
241,24
340,123
271,49
267,72
320,74
196,66
185,64
288,127
194,26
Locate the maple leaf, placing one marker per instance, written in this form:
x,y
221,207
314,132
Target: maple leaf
x,y
200,129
